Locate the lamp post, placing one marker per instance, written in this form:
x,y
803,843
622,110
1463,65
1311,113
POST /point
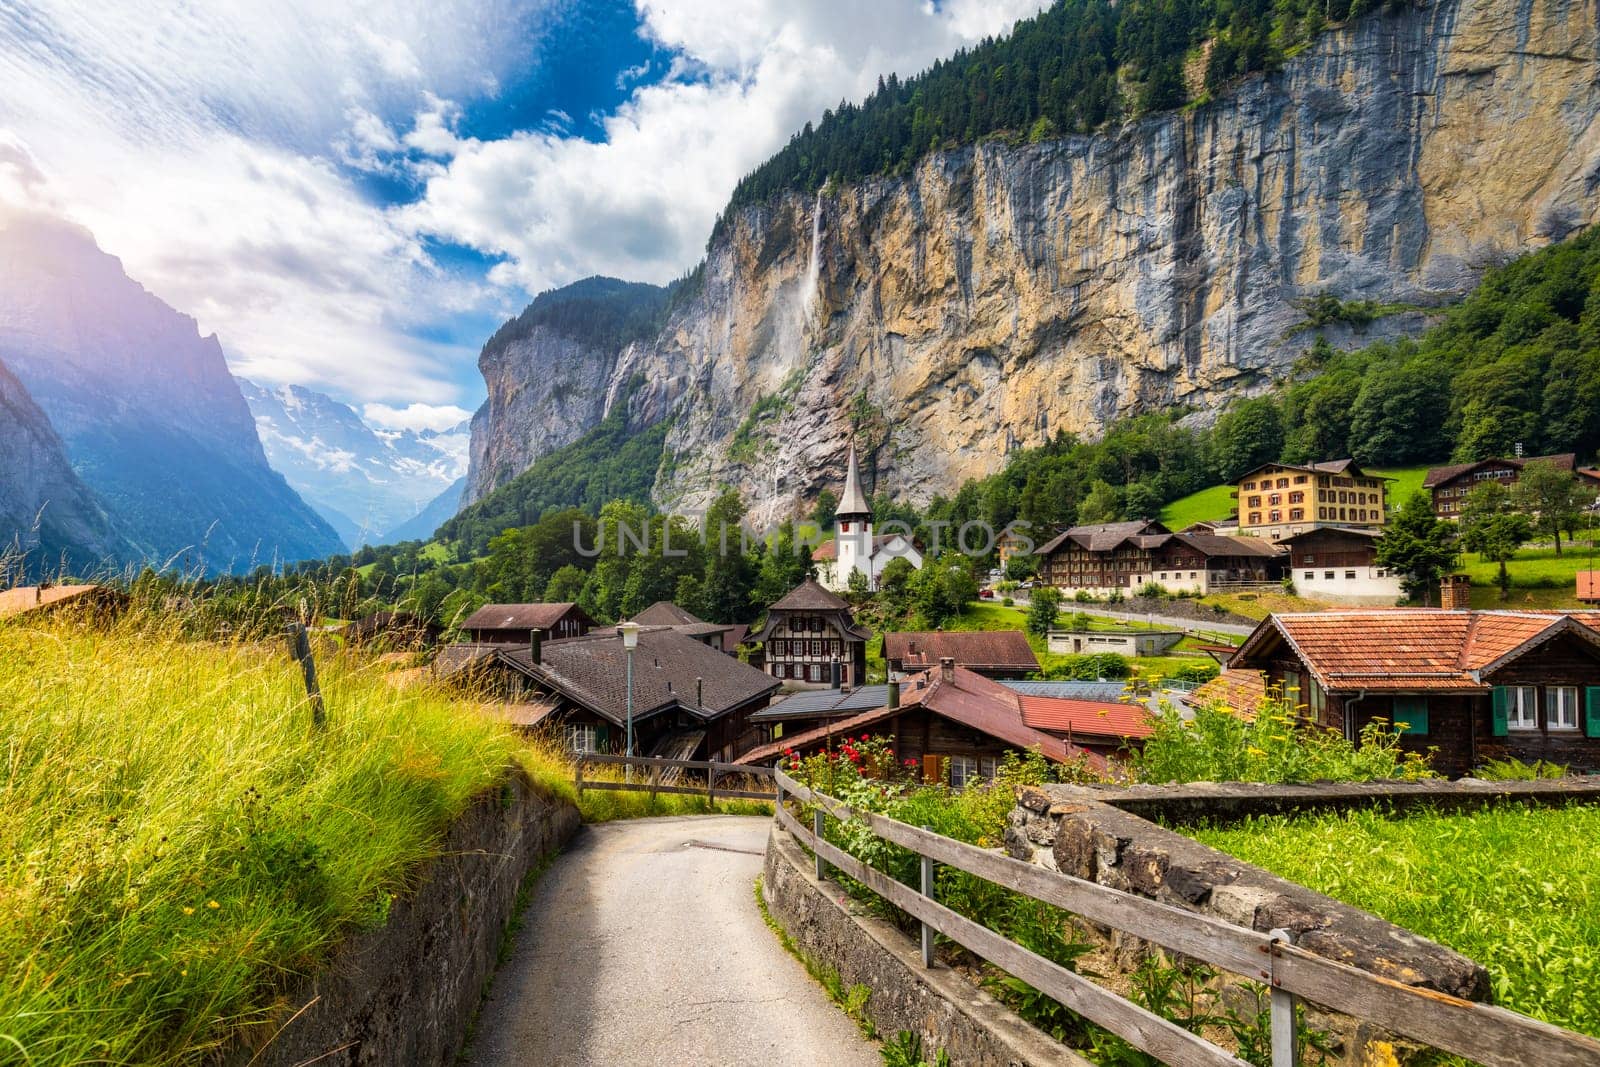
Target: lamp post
x,y
629,632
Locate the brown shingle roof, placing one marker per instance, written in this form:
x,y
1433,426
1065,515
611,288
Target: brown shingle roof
x,y
592,671
1437,476
517,616
666,613
1410,650
809,596
974,649
1102,537
1228,545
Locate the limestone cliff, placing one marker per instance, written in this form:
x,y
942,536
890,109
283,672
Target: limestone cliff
x,y
998,293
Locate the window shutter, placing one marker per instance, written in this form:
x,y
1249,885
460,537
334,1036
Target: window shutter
x,y
1591,721
602,738
930,769
1498,722
1413,711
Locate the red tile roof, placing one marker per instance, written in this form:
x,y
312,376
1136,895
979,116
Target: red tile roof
x,y
1410,650
1086,718
1241,690
973,649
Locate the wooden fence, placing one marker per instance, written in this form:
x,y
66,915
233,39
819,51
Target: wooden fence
x,y
1481,1032
667,776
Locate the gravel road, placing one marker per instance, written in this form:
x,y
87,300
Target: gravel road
x,y
643,944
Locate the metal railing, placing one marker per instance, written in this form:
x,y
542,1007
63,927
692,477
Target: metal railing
x,y
667,776
1481,1032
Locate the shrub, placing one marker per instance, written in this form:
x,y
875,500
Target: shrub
x,y
1196,673
1219,745
1089,667
1153,591
1514,770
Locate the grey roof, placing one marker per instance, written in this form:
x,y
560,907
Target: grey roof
x,y
666,613
810,596
1228,545
592,671
853,501
1102,537
518,616
820,702
1107,691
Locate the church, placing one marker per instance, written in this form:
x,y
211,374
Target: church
x,y
854,546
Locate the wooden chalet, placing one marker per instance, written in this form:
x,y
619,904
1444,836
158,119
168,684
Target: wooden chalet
x,y
991,653
1120,557
510,624
1471,685
1340,563
1450,485
952,723
690,700
811,639
722,636
392,631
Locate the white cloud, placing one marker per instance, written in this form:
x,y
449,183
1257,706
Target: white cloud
x,y
415,416
639,203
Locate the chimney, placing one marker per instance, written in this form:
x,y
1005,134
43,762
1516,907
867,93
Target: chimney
x,y
833,670
536,645
699,692
894,694
947,669
1455,592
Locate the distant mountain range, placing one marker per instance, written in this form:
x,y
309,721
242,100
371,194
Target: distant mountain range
x,y
165,463
370,484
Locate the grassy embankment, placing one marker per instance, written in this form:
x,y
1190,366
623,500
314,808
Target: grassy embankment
x,y
179,845
1515,888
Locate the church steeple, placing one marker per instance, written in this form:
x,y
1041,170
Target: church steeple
x,y
853,504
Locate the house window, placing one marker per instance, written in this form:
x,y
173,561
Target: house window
x,y
963,769
1349,576
1327,575
816,646
1296,514
1522,707
1310,575
814,672
1297,498
1255,518
1561,707
581,738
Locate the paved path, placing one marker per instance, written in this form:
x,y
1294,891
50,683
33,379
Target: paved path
x,y
643,944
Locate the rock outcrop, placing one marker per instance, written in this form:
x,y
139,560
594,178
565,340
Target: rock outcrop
x,y
996,293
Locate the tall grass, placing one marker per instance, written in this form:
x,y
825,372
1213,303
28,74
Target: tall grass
x,y
177,845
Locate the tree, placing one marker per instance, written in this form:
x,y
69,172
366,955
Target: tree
x,y
1418,546
1491,528
941,589
894,584
826,509
1250,434
1043,605
858,585
566,584
1103,504
1552,498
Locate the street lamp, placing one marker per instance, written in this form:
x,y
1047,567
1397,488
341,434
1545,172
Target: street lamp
x,y
629,632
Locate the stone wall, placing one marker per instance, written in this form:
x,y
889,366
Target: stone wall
x,y
942,1005
407,991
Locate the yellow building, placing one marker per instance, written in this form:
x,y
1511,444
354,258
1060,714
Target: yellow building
x,y
1281,499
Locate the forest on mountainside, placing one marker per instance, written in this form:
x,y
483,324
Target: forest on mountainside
x,y
1069,70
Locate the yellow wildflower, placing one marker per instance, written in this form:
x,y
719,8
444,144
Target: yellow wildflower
x,y
188,911
213,905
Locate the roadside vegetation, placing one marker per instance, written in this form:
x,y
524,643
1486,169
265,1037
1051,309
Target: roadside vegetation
x,y
552,766
179,845
1515,888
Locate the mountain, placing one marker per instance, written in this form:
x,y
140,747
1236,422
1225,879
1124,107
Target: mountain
x,y
364,481
950,305
151,419
439,510
46,512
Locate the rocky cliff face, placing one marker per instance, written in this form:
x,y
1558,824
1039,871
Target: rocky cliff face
x,y
152,420
47,516
997,294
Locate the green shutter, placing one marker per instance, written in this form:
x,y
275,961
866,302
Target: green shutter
x,y
1591,721
1501,700
602,737
1412,713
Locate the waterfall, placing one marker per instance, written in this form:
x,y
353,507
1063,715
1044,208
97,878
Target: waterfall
x,y
808,295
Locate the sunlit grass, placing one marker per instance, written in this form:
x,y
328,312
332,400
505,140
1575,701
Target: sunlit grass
x,y
1515,888
178,845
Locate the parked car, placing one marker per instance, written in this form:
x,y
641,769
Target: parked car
x,y
986,594
1025,585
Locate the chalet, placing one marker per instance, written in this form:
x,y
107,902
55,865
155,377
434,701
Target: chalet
x,y
1340,563
722,636
1123,556
1450,485
855,547
689,699
44,599
511,624
808,709
392,631
952,723
809,635
1279,499
1471,685
991,653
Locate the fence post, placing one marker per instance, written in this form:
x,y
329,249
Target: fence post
x,y
927,891
711,783
577,774
1285,1047
655,780
300,649
816,828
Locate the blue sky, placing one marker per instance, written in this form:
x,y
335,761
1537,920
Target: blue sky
x,y
354,195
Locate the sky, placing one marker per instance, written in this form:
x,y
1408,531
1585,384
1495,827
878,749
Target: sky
x,y
354,195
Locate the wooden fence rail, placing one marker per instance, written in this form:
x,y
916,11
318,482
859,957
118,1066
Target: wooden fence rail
x,y
653,784
1481,1032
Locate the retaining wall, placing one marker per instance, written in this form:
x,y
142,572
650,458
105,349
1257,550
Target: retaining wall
x,y
407,991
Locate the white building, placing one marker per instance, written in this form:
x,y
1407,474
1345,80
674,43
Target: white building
x,y
854,546
1341,564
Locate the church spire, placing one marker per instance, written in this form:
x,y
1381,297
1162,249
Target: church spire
x,y
853,504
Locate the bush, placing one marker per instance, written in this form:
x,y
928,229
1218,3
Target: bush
x,y
1219,745
1153,591
1197,673
1514,770
1089,667
1007,602
1082,596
